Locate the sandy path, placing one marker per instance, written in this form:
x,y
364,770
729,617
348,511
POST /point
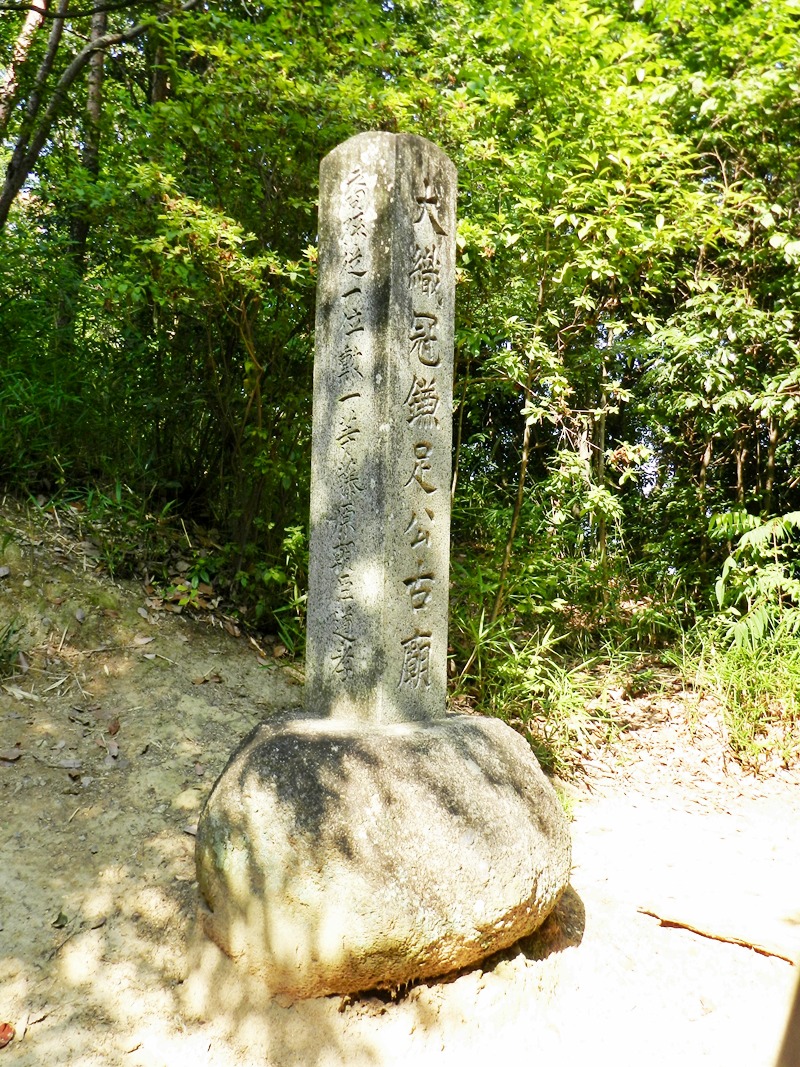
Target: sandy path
x,y
97,893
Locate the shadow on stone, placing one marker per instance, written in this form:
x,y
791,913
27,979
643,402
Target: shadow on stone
x,y
563,928
370,839
337,858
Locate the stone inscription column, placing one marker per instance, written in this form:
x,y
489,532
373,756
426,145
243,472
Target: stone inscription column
x,y
382,429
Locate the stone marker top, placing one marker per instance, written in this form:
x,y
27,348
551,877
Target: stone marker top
x,y
382,430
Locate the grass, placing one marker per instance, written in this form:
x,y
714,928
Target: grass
x,y
9,648
758,689
567,696
564,705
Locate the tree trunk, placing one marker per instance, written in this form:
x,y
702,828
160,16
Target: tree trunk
x,y
769,479
523,470
459,434
90,155
90,158
705,463
19,54
36,130
18,170
158,82
600,474
741,456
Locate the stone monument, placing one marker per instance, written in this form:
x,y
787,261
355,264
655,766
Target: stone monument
x,y
380,465
369,838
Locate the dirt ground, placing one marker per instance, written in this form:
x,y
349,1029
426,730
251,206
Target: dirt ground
x,y
111,738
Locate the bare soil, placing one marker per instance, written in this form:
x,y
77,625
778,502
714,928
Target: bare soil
x,y
112,732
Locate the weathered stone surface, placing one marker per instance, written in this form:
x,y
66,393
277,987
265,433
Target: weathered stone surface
x,y
335,857
382,418
369,838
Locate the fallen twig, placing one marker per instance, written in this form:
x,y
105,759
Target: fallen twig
x,y
729,939
56,684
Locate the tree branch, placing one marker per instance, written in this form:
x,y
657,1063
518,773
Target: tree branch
x,y
9,82
22,161
43,12
34,98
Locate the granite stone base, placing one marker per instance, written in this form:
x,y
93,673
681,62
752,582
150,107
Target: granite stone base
x,y
334,858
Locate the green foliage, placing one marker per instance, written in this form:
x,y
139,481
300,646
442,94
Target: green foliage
x,y
9,647
127,536
627,342
757,591
552,686
758,689
289,583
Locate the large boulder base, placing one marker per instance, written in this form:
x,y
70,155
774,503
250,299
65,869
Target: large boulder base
x,y
334,858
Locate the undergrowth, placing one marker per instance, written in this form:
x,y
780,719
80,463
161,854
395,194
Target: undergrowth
x,y
187,563
558,661
9,648
565,705
758,690
560,672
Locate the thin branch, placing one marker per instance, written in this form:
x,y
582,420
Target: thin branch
x,y
9,82
518,502
23,161
34,99
523,467
778,951
43,12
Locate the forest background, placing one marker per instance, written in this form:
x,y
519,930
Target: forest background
x,y
627,409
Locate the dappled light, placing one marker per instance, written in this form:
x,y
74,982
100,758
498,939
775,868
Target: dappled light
x,y
620,506
103,963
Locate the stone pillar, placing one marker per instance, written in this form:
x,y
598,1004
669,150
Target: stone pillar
x,y
369,838
382,430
